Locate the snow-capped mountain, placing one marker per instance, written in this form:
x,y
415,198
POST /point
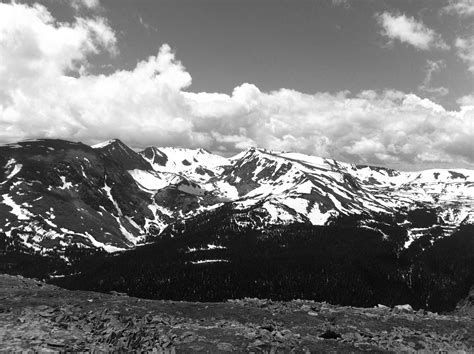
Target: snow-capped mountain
x,y
54,193
315,188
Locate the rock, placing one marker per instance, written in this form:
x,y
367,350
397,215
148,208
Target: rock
x,y
196,347
188,337
268,327
330,334
116,293
403,308
257,343
421,312
382,307
225,347
278,336
56,344
305,308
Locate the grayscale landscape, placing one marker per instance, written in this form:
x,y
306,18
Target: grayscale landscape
x,y
241,175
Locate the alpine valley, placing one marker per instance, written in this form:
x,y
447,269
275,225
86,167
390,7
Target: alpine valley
x,y
186,224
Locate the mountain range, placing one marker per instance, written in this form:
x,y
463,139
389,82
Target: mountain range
x,y
58,193
171,208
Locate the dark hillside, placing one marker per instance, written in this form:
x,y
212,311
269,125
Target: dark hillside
x,y
345,265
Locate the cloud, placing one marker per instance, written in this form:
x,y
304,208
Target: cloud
x,y
432,67
463,8
150,105
85,4
465,51
384,128
146,25
410,31
344,3
434,91
34,47
467,100
78,5
464,43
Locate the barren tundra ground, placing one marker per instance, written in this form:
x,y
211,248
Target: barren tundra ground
x,y
38,316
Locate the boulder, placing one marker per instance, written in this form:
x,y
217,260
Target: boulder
x,y
403,308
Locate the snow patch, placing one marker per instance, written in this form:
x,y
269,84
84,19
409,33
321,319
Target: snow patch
x,y
210,261
16,168
207,248
17,210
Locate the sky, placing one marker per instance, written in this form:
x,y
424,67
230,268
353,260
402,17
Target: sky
x,y
366,81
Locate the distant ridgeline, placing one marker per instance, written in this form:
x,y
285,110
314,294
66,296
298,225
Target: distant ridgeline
x,y
190,225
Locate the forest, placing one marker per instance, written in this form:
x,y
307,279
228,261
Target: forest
x,y
342,263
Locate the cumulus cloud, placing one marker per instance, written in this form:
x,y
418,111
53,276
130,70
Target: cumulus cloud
x,y
150,105
409,30
467,100
386,128
463,8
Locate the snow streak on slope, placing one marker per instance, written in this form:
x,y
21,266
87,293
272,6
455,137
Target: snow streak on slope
x,y
152,180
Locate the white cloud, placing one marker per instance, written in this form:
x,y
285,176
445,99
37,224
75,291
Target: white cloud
x,y
85,4
463,8
34,45
432,67
464,43
149,105
409,30
465,47
78,5
467,100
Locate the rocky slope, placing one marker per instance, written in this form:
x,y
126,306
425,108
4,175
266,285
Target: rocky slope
x,y
40,317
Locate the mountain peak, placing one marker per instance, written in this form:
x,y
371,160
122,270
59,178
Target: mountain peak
x,y
251,151
108,143
118,151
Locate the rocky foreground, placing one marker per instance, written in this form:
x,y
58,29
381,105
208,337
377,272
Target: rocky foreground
x,y
38,316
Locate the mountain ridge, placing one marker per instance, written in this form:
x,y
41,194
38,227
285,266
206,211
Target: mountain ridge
x,y
167,185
